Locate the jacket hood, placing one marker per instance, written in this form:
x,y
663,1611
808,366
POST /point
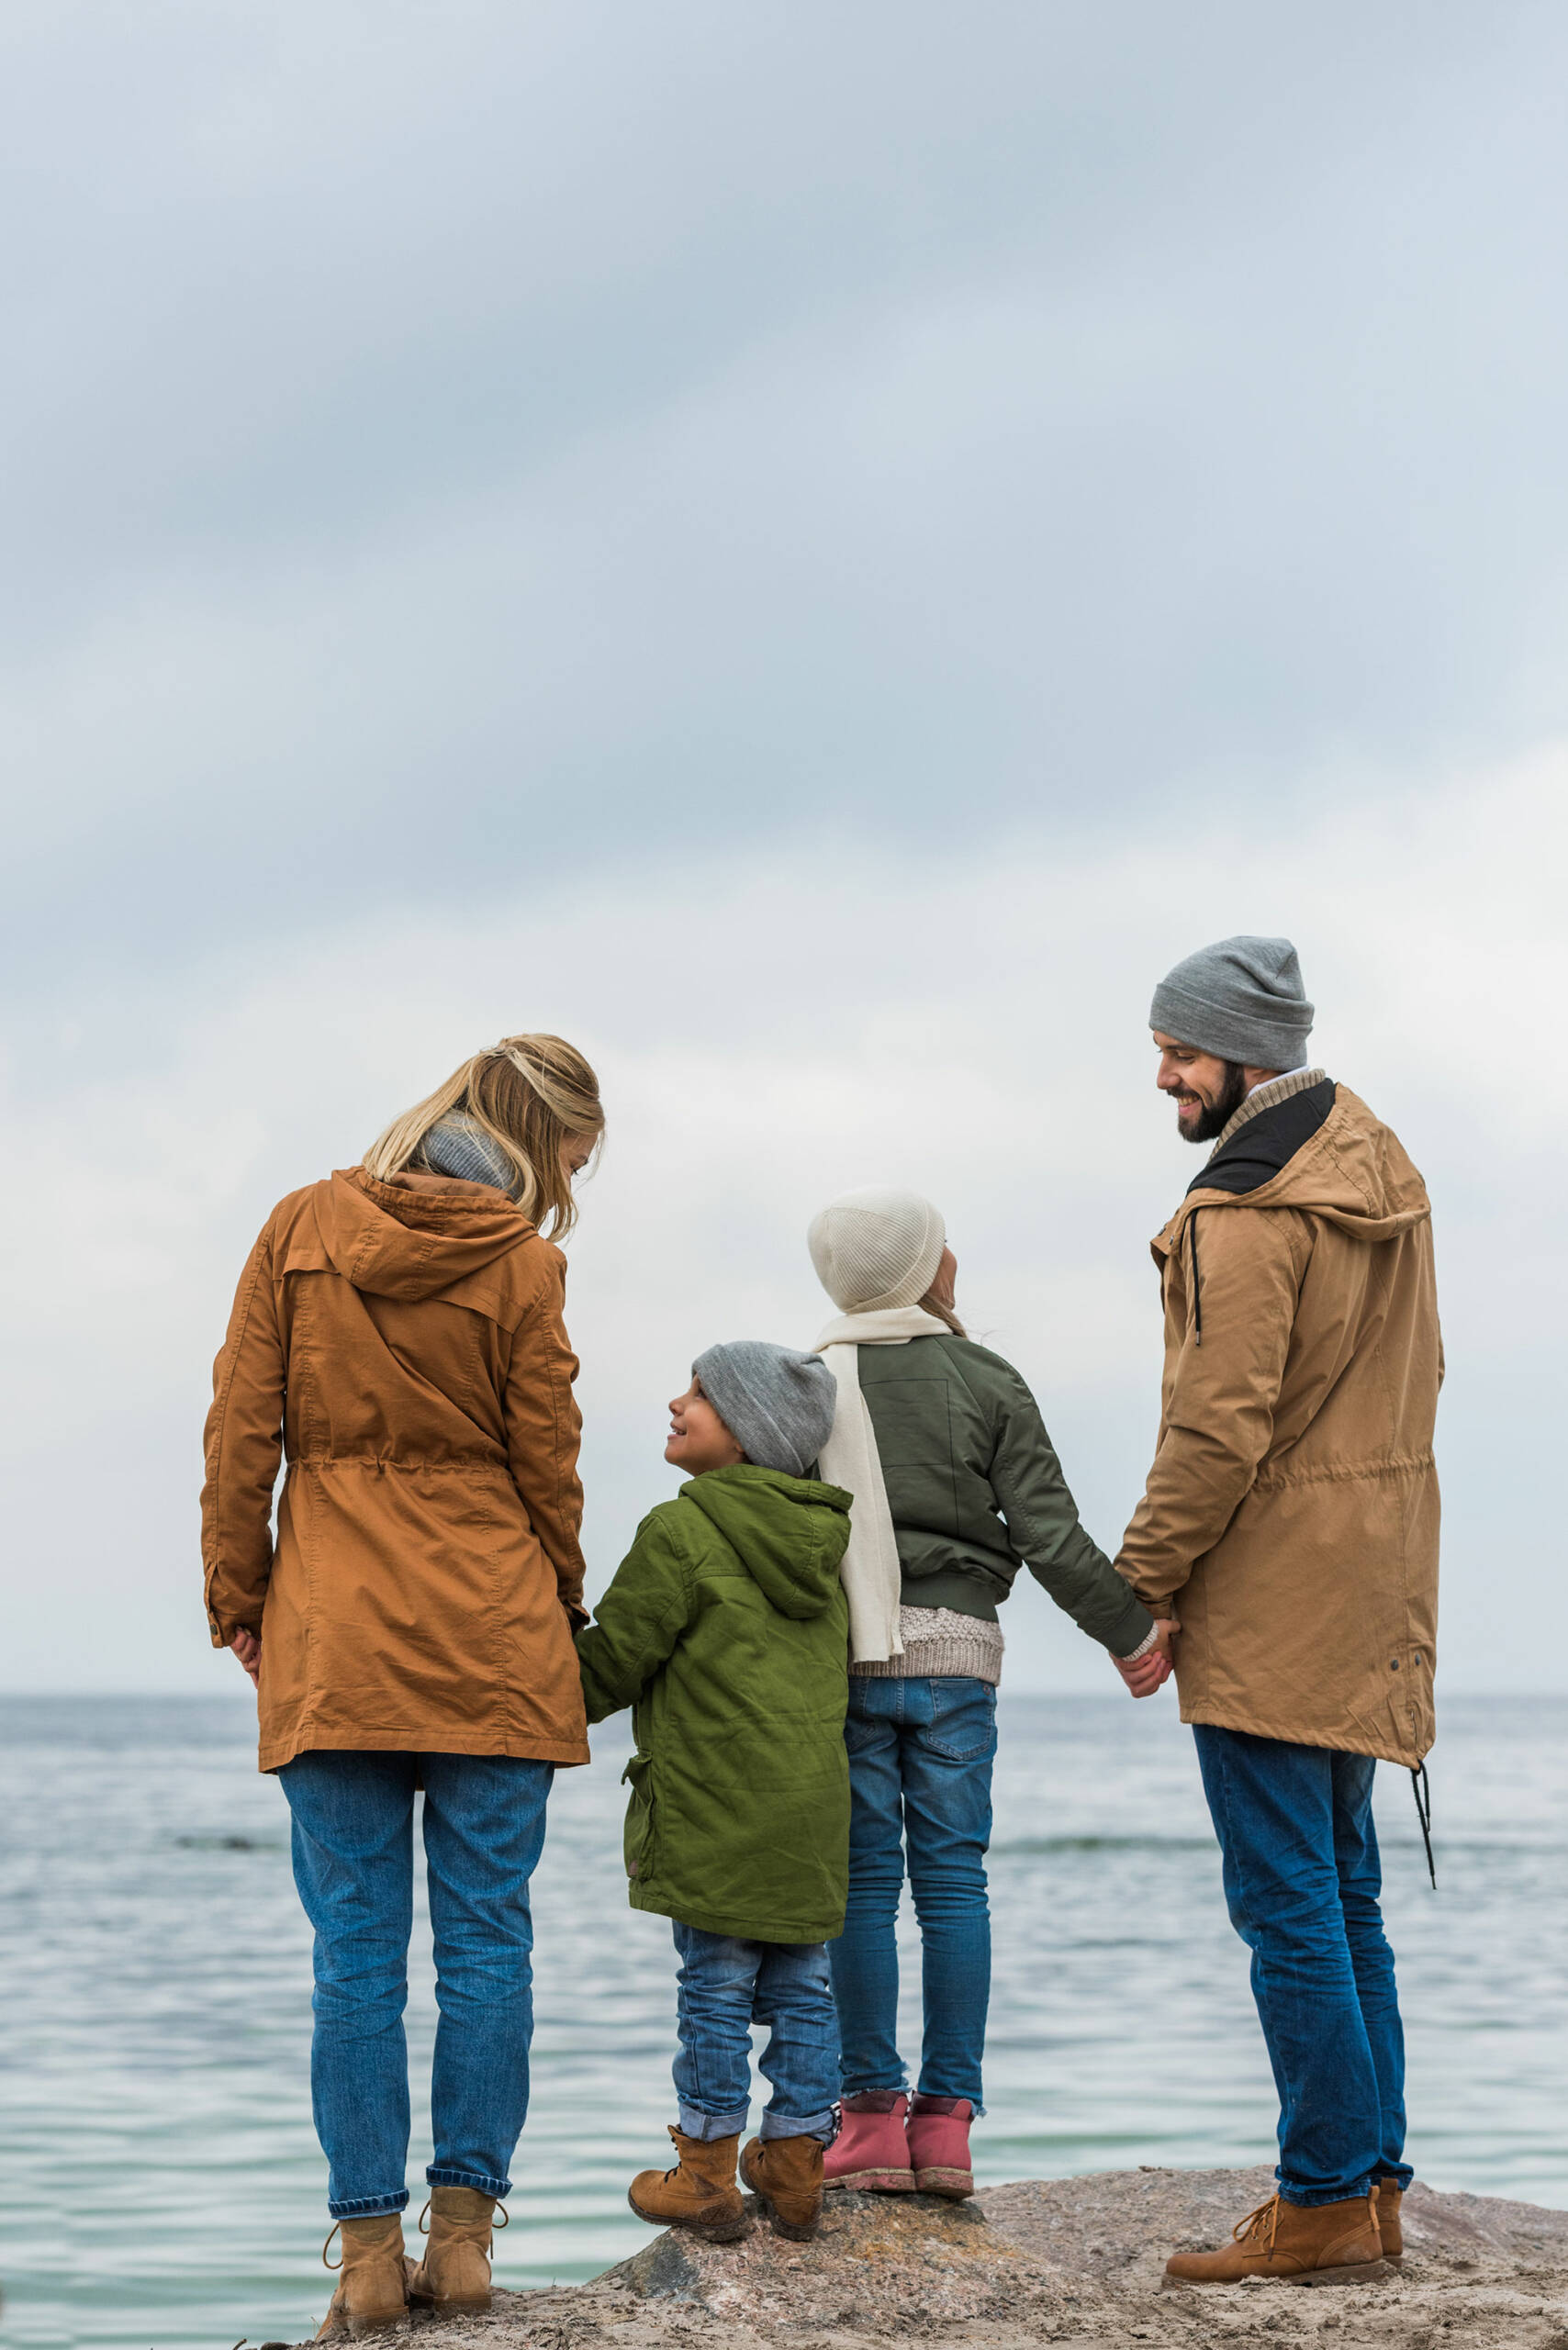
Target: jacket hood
x,y
1353,1171
788,1533
414,1236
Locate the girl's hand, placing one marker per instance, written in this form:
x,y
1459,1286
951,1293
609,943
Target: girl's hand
x,y
1147,1674
247,1647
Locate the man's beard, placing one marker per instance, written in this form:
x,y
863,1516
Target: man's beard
x,y
1212,1120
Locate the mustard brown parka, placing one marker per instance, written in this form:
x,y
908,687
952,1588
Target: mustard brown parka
x,y
1290,1515
401,1344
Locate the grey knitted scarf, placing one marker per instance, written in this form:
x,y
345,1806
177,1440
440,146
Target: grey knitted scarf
x,y
458,1145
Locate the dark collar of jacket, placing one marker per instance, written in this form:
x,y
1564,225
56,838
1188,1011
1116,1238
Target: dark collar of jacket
x,y
1257,1151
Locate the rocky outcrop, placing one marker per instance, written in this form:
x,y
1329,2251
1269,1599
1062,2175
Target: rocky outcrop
x,y
1075,2262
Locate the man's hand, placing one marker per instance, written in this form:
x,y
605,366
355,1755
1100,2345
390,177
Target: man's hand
x,y
1148,1672
247,1647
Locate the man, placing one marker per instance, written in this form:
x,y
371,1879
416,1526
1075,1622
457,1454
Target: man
x,y
1290,1521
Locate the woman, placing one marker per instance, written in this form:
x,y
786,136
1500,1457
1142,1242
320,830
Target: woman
x,y
956,1486
397,1336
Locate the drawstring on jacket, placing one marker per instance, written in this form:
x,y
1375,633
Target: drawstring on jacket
x,y
1422,1788
1197,1292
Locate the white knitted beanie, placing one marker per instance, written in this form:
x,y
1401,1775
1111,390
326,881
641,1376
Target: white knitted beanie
x,y
876,1248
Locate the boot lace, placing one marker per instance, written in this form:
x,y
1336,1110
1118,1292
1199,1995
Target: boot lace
x,y
1261,2224
499,2218
336,2229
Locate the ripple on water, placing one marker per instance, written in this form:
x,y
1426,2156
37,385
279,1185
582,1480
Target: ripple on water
x,y
161,2184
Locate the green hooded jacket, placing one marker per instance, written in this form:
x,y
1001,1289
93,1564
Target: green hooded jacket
x,y
727,1630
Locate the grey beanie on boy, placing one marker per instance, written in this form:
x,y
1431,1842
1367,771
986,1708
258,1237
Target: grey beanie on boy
x,y
1242,998
778,1404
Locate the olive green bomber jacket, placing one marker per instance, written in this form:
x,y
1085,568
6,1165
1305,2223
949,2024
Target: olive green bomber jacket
x,y
976,1491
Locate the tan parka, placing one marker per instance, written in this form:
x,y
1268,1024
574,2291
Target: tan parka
x,y
1290,1516
402,1345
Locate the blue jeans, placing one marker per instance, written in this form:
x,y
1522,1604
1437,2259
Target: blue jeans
x,y
920,1762
1302,1881
727,1984
353,1859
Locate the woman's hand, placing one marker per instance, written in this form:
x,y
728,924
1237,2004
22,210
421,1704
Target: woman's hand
x,y
1149,1671
247,1647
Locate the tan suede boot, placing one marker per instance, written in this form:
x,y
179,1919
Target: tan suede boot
x,y
456,2272
1390,2203
1294,2243
373,2292
785,2175
700,2193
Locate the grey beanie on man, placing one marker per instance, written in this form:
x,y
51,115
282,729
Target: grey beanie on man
x,y
777,1403
1241,999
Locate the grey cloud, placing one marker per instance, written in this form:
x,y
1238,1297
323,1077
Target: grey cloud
x,y
462,446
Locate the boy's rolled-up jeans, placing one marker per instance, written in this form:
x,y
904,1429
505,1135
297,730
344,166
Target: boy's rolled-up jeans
x,y
726,1985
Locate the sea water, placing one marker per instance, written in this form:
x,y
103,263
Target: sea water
x,y
160,2181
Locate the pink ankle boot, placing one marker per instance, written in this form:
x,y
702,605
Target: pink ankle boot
x,y
869,2150
939,2145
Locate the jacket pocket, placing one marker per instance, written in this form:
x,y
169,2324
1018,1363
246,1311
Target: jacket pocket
x,y
638,1838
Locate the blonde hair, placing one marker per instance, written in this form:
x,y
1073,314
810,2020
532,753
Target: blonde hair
x,y
529,1094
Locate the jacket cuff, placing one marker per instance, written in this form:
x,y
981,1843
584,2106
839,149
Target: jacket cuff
x,y
222,1634
1132,1630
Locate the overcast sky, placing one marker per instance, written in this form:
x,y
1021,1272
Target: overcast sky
x,y
815,551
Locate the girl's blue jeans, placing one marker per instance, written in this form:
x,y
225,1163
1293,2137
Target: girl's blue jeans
x,y
1302,1881
484,1829
921,1754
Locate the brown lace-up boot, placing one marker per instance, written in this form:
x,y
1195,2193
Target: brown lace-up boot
x,y
1294,2243
1390,2203
373,2292
700,2193
456,2272
785,2175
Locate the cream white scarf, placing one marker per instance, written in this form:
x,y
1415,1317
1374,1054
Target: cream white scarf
x,y
870,1569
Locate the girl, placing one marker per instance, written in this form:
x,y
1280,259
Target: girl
x,y
954,1487
398,1338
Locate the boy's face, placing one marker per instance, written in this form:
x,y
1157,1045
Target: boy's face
x,y
699,1440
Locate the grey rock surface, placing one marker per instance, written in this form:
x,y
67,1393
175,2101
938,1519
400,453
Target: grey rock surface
x,y
1076,2262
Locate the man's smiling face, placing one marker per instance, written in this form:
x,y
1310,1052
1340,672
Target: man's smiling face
x,y
1206,1090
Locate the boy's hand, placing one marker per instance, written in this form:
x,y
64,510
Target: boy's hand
x,y
247,1647
1149,1671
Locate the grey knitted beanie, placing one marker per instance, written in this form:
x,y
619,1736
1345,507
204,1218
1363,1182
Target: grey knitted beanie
x,y
1241,999
778,1404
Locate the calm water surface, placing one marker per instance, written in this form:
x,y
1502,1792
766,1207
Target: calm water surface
x,y
160,2181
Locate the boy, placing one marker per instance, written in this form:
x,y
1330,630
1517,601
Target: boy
x,y
726,1629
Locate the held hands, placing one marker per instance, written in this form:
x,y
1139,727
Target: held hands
x,y
247,1647
1148,1671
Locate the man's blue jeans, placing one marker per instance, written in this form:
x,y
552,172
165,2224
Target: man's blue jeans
x,y
353,1865
919,1763
1302,1881
726,1985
